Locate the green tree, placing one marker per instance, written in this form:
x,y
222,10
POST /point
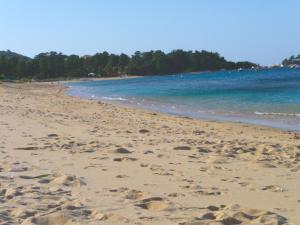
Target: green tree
x,y
53,65
2,77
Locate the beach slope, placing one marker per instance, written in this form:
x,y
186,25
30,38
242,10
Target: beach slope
x,y
66,160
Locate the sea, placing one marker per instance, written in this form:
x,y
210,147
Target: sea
x,y
269,97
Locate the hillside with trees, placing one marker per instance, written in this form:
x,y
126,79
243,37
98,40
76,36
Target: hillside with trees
x,y
10,54
293,60
53,65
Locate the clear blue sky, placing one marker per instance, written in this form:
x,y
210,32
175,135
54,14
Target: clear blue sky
x,y
263,31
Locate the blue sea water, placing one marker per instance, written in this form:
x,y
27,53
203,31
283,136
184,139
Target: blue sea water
x,y
265,97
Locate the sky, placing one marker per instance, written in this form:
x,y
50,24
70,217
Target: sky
x,y
261,31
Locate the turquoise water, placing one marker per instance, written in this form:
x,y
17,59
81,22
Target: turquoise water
x,y
266,97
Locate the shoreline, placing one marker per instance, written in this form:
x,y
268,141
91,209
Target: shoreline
x,y
79,161
217,120
201,119
63,89
98,78
251,121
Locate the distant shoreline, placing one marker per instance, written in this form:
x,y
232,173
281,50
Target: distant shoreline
x,y
83,79
98,78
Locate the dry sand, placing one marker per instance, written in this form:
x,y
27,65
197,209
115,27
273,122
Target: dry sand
x,y
64,160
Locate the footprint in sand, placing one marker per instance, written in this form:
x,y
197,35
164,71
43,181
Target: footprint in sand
x,y
176,195
143,131
10,193
122,151
126,159
234,214
62,180
122,176
34,177
154,204
182,148
52,135
23,213
274,188
136,195
52,219
29,148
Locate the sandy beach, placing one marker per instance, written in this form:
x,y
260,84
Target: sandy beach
x,y
66,161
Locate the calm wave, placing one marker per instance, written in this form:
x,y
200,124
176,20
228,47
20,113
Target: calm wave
x,y
267,97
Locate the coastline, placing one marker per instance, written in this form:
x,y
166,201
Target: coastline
x,y
99,78
256,116
120,165
145,110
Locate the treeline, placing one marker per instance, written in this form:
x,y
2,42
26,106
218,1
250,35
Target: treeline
x,y
53,65
293,60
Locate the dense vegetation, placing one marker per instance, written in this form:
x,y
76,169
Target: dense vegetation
x,y
293,60
10,54
53,65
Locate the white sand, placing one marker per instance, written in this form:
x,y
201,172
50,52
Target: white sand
x,y
68,161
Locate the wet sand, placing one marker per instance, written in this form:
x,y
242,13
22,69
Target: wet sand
x,y
66,160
